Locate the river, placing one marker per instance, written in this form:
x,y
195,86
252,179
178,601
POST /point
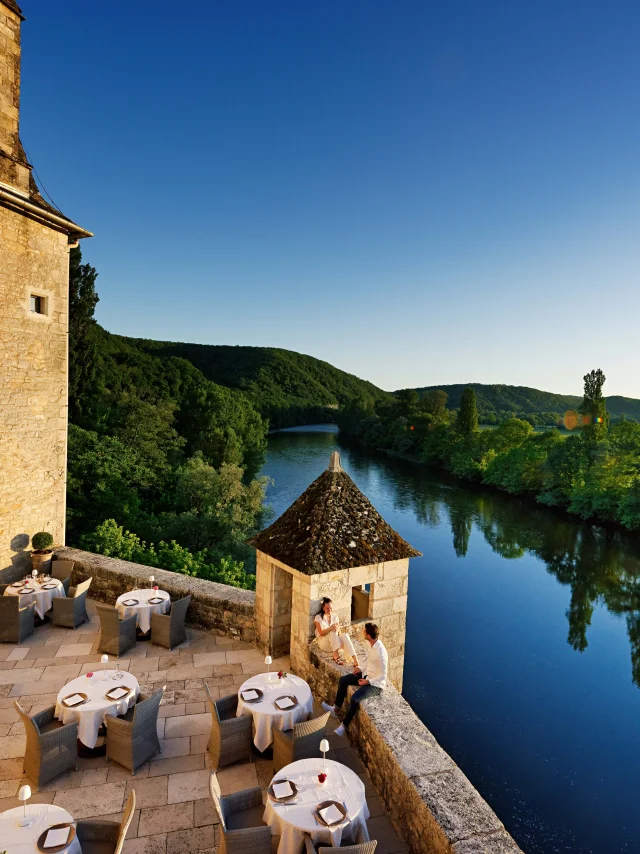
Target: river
x,y
523,642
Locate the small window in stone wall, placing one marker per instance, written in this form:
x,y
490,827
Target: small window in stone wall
x,y
360,602
38,304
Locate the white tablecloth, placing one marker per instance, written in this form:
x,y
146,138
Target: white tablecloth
x,y
292,821
91,715
42,598
22,840
265,714
144,610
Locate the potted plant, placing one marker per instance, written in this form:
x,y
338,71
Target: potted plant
x,y
41,554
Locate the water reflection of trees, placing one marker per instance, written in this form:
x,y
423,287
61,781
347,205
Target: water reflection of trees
x,y
600,566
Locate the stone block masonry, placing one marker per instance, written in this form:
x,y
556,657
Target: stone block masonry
x,y
33,387
215,607
431,803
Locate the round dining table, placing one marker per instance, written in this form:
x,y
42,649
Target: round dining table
x,y
266,715
92,712
15,839
292,820
41,592
142,607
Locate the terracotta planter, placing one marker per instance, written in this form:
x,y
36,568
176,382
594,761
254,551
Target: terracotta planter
x,y
41,562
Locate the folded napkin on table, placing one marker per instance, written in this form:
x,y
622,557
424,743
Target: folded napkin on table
x,y
249,695
116,693
74,700
331,814
284,703
282,790
57,836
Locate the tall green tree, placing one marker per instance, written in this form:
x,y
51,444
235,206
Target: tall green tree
x,y
83,347
434,402
467,423
594,407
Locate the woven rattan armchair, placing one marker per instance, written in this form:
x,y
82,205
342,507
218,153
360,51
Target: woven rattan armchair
x,y
231,737
51,748
61,569
133,738
72,611
301,742
168,629
16,619
242,830
106,837
363,845
116,635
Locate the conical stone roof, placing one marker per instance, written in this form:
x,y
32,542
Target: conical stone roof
x,y
331,526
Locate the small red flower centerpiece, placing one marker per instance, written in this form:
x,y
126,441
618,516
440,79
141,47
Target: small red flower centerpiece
x,y
155,587
282,674
322,777
89,675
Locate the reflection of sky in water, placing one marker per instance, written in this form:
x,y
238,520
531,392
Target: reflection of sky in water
x,y
549,734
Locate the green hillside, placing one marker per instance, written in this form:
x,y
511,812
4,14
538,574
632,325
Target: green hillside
x,y
287,388
496,401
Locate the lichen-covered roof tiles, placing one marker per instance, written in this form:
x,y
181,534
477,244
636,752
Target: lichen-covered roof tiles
x,y
331,526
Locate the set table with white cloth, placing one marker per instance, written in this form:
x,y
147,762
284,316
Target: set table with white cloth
x,y
143,608
92,713
291,821
23,840
266,715
42,593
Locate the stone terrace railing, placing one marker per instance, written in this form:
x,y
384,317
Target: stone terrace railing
x,y
431,803
227,610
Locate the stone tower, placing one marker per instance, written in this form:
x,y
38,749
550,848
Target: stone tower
x,y
331,542
35,239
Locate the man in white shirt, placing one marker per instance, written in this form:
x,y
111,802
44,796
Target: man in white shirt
x,y
371,685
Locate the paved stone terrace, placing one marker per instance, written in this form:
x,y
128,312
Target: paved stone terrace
x,y
174,814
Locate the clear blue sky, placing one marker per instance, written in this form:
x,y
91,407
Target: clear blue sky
x,y
417,192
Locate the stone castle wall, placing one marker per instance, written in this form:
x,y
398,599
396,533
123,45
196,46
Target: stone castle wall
x,y
433,806
218,607
33,386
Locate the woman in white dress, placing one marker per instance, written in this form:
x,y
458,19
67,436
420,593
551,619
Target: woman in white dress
x,y
328,634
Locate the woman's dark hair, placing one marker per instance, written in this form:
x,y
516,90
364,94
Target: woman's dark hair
x,y
324,602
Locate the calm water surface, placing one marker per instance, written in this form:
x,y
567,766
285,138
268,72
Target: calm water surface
x,y
523,643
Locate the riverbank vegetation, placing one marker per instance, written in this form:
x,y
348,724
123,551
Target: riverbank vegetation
x,y
157,453
591,470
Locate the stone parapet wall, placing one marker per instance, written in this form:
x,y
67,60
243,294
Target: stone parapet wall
x,y
431,803
217,607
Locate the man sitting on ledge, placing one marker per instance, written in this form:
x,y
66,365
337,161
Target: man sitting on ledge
x,y
371,685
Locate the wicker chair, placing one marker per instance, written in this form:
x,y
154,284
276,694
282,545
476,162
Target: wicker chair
x,y
301,742
72,611
231,737
106,837
116,635
168,629
133,738
61,569
242,830
363,845
51,748
16,619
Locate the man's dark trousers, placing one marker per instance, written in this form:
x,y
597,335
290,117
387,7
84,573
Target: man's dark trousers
x,y
362,693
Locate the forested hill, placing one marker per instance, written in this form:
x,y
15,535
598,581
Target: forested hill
x,y
502,400
287,388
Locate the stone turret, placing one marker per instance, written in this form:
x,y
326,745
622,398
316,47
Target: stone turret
x,y
331,542
35,239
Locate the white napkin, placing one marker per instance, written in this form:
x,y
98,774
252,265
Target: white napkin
x,y
331,814
116,693
73,701
284,703
58,836
282,790
129,602
249,695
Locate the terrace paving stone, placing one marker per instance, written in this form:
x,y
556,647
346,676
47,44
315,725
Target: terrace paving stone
x,y
174,813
